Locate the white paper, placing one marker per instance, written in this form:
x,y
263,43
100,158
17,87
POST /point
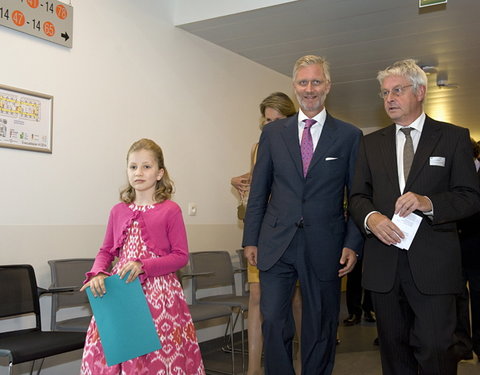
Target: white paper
x,y
409,226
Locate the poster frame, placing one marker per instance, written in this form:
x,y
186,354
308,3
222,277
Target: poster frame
x,y
46,124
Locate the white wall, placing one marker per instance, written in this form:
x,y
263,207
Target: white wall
x,y
130,74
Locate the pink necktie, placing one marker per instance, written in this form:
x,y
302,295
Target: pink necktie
x,y
306,146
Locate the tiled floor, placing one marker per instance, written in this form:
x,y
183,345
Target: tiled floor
x,y
356,354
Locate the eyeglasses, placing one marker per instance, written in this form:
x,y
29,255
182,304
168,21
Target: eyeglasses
x,y
396,91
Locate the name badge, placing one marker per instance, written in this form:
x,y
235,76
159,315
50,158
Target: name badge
x,y
437,161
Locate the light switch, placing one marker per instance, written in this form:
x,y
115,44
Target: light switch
x,y
192,209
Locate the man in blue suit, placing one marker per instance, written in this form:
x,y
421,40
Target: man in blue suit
x,y
295,226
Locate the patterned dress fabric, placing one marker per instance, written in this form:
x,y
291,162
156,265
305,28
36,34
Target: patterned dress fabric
x,y
180,353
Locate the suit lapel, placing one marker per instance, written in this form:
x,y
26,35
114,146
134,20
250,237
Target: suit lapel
x,y
428,140
388,152
290,137
327,139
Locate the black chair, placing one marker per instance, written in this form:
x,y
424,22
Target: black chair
x,y
203,313
70,273
217,270
19,296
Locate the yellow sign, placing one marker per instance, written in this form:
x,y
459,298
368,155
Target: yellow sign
x,y
428,3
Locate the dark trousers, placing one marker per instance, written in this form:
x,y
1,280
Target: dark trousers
x,y
320,308
416,330
469,300
355,291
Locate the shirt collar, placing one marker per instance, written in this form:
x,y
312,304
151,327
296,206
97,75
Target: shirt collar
x,y
320,118
417,124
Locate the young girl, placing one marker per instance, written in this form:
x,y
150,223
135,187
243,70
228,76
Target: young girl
x,y
146,232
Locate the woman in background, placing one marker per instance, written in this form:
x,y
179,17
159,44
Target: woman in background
x,y
274,107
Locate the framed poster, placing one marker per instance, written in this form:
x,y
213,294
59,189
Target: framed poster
x,y
25,119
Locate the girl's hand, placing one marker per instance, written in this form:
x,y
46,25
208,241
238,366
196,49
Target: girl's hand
x,y
97,285
135,269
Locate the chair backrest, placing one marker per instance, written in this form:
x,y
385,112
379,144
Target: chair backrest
x,y
68,273
183,272
216,267
241,258
19,292
244,266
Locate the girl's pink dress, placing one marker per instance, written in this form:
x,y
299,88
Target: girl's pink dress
x,y
180,354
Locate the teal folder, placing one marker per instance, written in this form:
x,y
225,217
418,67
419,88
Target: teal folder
x,y
124,321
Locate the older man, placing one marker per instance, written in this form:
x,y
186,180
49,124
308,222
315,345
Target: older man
x,y
295,226
421,166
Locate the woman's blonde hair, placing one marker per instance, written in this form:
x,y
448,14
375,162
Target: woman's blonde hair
x,y
280,102
164,187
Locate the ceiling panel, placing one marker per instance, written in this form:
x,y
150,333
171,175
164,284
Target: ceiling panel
x,y
359,38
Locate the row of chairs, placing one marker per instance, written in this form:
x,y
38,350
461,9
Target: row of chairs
x,y
20,294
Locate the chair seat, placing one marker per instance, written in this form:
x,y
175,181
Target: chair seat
x,y
229,300
79,324
205,312
40,344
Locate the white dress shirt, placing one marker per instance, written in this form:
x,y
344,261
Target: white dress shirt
x,y
315,129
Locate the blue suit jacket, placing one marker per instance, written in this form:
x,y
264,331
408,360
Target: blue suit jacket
x,y
280,196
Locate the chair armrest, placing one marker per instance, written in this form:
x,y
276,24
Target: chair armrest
x,y
185,275
62,289
57,289
41,291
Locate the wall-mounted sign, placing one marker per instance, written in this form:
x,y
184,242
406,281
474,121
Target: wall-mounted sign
x,y
51,20
25,119
427,3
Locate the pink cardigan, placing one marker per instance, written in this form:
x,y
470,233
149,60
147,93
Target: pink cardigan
x,y
163,232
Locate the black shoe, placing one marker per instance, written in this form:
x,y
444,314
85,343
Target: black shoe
x,y
352,320
369,316
376,342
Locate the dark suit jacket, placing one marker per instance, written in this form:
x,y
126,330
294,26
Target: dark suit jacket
x,y
434,255
469,233
280,196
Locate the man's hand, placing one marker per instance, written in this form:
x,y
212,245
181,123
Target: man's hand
x,y
409,202
383,228
348,259
251,254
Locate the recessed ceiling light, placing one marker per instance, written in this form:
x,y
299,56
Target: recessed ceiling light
x,y
429,69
